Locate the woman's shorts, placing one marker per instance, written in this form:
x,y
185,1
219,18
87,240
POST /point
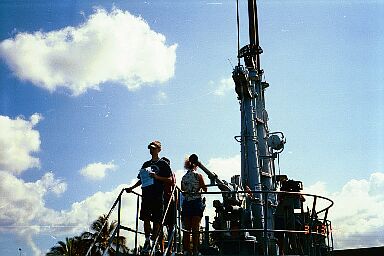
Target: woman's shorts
x,y
193,208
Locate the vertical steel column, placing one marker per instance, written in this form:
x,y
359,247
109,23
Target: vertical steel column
x,y
118,224
137,223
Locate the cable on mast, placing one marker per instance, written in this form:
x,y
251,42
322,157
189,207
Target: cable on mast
x,y
238,32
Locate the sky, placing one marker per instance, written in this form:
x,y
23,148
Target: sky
x,y
86,85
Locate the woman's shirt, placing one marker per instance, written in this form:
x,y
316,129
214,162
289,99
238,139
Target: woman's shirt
x,y
191,184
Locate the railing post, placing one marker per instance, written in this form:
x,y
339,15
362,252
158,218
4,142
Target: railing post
x,y
174,241
137,223
118,225
265,202
206,233
179,249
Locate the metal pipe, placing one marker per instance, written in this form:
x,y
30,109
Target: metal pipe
x,y
118,224
137,223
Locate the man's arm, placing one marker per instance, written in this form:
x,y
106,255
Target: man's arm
x,y
162,179
138,183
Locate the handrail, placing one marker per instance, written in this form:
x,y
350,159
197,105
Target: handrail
x,y
251,229
177,228
106,220
272,192
117,201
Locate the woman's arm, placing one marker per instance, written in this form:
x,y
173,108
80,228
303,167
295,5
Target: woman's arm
x,y
202,183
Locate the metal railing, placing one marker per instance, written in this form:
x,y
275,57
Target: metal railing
x,y
312,232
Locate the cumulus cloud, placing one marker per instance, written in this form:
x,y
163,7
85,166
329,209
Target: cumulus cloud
x,y
111,46
23,210
357,216
18,142
23,207
224,86
80,215
97,171
225,168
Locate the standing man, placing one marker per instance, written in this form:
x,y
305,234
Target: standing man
x,y
152,176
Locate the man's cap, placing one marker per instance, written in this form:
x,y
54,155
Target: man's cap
x,y
155,144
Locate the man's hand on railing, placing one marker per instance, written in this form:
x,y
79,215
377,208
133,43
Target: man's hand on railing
x,y
129,190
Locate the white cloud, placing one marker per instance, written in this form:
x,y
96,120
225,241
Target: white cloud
x,y
110,46
23,207
225,168
97,171
23,210
81,214
225,85
48,183
357,216
18,141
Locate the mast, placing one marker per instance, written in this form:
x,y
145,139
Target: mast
x,y
256,160
253,26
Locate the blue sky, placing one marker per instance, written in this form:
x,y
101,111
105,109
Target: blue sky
x,y
85,85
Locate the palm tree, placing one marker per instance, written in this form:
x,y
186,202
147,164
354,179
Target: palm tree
x,y
103,232
73,246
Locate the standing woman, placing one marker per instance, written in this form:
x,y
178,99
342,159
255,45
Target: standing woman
x,y
193,207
